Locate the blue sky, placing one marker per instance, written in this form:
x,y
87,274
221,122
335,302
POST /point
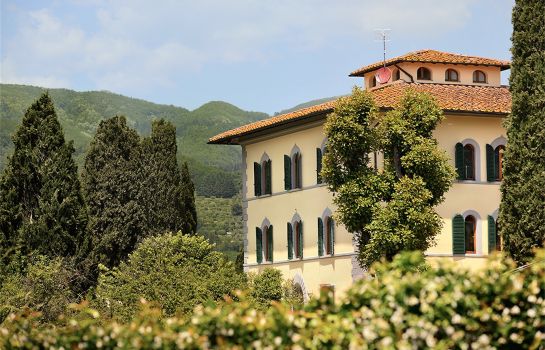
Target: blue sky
x,y
262,55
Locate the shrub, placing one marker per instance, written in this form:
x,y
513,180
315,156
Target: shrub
x,y
44,287
266,287
403,307
174,271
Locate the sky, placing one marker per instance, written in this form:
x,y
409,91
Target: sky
x,y
260,55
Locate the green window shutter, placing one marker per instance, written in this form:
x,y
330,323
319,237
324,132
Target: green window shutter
x,y
320,237
290,241
259,245
318,165
490,164
270,243
268,177
298,171
459,161
458,235
257,179
332,236
300,223
287,172
491,234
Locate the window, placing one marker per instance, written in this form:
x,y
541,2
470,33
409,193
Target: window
x,y
397,74
479,77
470,230
451,75
293,177
373,82
465,160
320,152
264,242
494,163
295,238
466,233
423,74
326,235
262,177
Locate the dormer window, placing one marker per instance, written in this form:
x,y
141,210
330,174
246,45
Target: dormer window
x,y
451,75
479,77
423,74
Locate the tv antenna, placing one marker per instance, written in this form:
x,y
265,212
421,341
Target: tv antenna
x,y
383,75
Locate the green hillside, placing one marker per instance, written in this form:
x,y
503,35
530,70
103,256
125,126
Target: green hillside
x,y
80,113
308,104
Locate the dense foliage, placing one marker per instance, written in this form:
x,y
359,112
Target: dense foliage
x,y
176,272
113,187
220,221
389,206
166,195
45,286
402,307
266,287
41,205
522,210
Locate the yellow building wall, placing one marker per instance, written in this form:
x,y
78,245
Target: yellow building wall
x,y
477,197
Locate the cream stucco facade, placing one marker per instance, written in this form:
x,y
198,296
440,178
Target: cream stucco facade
x,y
479,197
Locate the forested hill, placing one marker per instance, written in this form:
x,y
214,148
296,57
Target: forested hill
x,y
215,168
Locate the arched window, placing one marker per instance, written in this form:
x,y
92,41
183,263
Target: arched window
x,y
423,73
470,233
262,176
268,238
451,75
293,175
397,74
373,82
469,162
326,234
479,77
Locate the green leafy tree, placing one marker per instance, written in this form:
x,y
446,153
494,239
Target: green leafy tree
x,y
112,182
266,287
188,199
522,210
41,204
169,205
389,208
174,271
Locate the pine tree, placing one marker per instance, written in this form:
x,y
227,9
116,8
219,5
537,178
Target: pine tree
x,y
41,205
522,210
188,198
165,193
112,182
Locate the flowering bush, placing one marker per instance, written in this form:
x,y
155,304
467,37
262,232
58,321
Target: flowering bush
x,y
401,307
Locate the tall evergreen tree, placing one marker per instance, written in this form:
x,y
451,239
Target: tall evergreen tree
x,y
522,210
41,205
188,199
112,183
166,195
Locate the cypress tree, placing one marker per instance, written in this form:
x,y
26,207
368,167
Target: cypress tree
x,y
522,210
188,199
112,184
166,197
41,205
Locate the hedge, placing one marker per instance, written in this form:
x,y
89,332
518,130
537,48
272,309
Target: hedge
x,y
403,306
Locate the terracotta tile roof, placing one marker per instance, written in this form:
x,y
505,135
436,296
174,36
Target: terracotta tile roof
x,y
433,56
450,97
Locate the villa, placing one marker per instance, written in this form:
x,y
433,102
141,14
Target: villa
x,y
288,210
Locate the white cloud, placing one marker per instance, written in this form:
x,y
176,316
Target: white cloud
x,y
140,44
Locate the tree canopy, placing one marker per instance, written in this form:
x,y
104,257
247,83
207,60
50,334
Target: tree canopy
x,y
389,206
